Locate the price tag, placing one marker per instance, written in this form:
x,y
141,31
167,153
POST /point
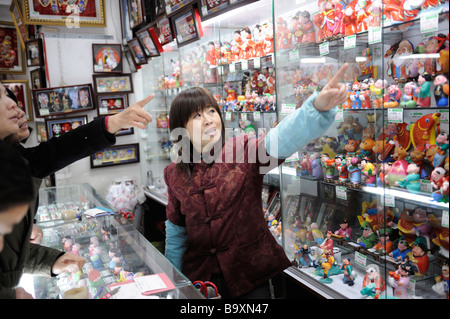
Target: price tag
x,y
287,109
228,116
339,117
232,68
44,112
244,65
444,222
324,48
429,23
220,70
350,42
360,259
395,115
257,116
374,35
293,55
387,200
292,158
168,9
244,116
341,192
204,10
257,62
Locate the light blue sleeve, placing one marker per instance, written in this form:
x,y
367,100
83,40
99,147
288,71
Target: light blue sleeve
x,y
176,244
298,129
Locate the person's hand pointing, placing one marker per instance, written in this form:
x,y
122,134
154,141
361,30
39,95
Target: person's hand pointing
x,y
333,93
133,116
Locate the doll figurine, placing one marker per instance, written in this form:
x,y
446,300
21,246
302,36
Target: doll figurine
x,y
354,96
442,143
354,170
341,167
442,281
364,95
369,172
402,250
344,230
316,234
409,96
366,149
348,103
307,27
377,90
349,275
211,54
76,249
419,258
284,41
315,166
423,91
305,165
304,257
351,147
95,258
368,238
399,279
441,90
328,244
411,181
392,98
384,246
361,15
329,261
328,164
440,183
67,244
373,283
424,130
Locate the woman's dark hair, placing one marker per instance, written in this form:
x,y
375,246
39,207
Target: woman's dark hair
x,y
16,186
186,103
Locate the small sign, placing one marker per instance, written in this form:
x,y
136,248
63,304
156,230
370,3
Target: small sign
x,y
429,23
350,42
324,48
395,115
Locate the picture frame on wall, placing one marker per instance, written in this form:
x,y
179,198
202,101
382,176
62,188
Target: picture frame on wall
x,y
307,210
111,104
38,80
136,13
63,100
209,9
137,52
173,7
16,13
58,126
186,26
130,60
147,43
41,131
12,61
34,52
107,58
79,14
327,213
21,90
116,155
127,33
119,83
274,206
163,30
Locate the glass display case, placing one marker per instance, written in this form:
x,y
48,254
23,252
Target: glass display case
x,y
365,206
121,263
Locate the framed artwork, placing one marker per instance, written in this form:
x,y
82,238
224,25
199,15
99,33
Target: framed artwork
x,y
41,131
38,80
34,52
275,205
63,100
58,126
147,43
325,217
111,104
137,52
292,203
122,83
124,131
72,14
116,155
21,90
186,27
136,14
127,33
154,9
208,9
307,210
164,30
174,6
16,13
107,58
130,60
12,59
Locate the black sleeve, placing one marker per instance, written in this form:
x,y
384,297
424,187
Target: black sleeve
x,y
59,152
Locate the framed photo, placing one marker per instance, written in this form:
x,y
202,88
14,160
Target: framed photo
x,y
122,83
72,14
21,90
130,60
63,100
41,131
325,217
38,80
12,60
136,14
16,13
127,33
208,9
107,58
307,210
111,104
58,126
186,27
154,9
174,6
137,52
34,52
164,30
116,155
147,43
275,205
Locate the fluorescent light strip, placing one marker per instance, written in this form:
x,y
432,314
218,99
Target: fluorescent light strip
x,y
420,56
312,60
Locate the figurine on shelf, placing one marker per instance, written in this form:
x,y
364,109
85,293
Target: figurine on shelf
x,y
354,96
315,166
399,68
67,242
440,183
327,265
95,258
419,258
361,15
283,36
411,181
351,147
341,167
316,234
366,148
328,244
417,156
441,90
305,165
354,170
402,250
378,92
304,257
364,95
267,31
307,27
349,275
442,281
373,284
369,172
211,54
392,98
423,91
409,96
424,130
348,103
399,279
418,223
368,238
442,142
328,164
345,231
385,245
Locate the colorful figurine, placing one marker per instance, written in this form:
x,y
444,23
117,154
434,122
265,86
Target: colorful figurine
x,y
409,96
424,130
369,172
392,98
368,238
341,167
399,279
378,92
373,284
354,170
328,164
364,95
304,257
411,181
419,258
402,250
441,90
354,96
423,91
307,27
349,275
440,183
328,244
385,245
442,281
344,231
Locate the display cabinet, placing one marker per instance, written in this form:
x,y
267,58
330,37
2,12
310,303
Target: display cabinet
x,y
365,206
117,255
